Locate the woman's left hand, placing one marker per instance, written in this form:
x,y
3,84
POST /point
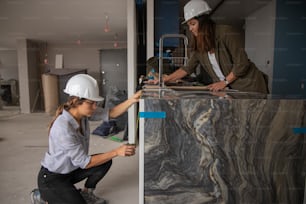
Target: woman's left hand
x,y
217,86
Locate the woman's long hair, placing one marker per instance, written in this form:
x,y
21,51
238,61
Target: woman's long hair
x,y
205,41
72,102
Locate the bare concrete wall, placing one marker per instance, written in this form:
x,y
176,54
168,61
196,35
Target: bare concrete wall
x,y
29,75
8,64
25,65
35,71
81,56
23,76
75,57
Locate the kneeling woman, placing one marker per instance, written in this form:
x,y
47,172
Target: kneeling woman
x,y
67,161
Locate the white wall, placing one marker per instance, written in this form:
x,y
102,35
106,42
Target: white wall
x,y
259,38
75,57
80,56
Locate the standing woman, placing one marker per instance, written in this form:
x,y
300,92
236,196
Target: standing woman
x,y
219,49
67,161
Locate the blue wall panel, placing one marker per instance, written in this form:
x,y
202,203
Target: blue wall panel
x,y
289,71
166,21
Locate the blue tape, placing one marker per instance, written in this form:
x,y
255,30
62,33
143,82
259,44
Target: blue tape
x,y
152,114
299,130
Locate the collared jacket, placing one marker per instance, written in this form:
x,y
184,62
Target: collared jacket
x,y
231,56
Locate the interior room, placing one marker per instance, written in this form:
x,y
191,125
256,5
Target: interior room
x,y
45,43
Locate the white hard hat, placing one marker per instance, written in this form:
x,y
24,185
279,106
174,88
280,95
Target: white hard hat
x,y
83,86
195,8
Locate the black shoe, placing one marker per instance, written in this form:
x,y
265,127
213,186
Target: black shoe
x,y
35,197
91,198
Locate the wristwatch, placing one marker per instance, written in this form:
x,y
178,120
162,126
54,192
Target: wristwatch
x,y
226,82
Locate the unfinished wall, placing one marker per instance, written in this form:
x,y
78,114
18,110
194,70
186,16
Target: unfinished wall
x,y
8,64
29,75
23,76
80,56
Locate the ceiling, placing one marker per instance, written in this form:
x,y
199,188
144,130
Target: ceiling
x,y
70,21
62,21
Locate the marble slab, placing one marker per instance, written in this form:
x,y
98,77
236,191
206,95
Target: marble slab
x,y
212,150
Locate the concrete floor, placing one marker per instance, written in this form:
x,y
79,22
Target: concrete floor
x,y
23,142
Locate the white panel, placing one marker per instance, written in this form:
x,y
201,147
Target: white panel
x,y
132,71
150,28
141,154
132,65
59,61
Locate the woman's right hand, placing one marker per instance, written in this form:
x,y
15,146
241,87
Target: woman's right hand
x,y
135,98
156,80
126,150
152,81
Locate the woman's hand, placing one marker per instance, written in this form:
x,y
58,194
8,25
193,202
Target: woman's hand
x,y
135,98
126,150
123,150
152,81
217,86
123,107
156,79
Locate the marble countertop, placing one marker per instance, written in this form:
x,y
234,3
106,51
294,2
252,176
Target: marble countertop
x,y
172,94
203,147
169,94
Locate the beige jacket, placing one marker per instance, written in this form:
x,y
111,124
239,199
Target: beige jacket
x,y
231,56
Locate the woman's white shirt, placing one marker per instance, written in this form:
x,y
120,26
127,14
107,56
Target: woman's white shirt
x,y
215,66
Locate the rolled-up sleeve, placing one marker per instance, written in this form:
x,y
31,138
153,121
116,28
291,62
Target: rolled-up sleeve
x,y
233,42
192,64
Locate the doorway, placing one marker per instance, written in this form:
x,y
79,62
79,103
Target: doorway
x,y
113,70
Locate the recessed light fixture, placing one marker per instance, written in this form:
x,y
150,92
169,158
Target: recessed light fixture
x,y
106,26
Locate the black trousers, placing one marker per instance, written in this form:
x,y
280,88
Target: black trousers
x,y
59,188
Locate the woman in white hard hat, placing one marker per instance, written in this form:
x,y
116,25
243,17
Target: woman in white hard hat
x,y
219,49
67,161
